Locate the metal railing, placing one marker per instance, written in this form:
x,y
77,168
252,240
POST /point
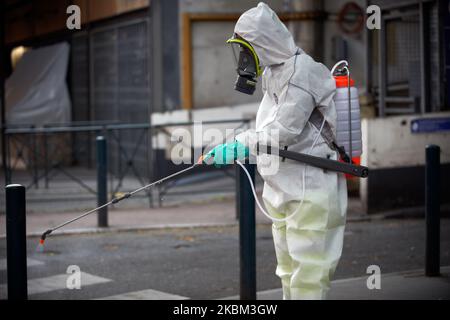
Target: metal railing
x,y
44,152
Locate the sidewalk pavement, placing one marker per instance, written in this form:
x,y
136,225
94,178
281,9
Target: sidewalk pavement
x,y
409,285
211,213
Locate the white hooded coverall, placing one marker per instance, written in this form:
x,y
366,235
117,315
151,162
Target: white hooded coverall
x,y
309,244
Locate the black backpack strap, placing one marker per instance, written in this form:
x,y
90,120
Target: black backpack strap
x,y
316,119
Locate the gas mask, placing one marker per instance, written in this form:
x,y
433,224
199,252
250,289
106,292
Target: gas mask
x,y
247,65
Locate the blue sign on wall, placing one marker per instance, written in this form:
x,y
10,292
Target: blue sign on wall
x,y
430,125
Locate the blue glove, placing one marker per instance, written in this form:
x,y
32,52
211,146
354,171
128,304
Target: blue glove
x,y
227,153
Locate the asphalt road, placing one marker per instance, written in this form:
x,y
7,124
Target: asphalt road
x,y
202,263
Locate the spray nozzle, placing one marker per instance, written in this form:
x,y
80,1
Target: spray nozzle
x,y
40,247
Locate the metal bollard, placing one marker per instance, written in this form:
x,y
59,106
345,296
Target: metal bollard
x,y
102,181
432,215
247,233
16,242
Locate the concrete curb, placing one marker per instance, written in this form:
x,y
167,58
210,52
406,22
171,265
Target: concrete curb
x,y
411,212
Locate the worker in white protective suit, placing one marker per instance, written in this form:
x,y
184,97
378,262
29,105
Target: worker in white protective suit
x,y
308,243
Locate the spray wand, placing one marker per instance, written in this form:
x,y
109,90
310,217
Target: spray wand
x,y
113,201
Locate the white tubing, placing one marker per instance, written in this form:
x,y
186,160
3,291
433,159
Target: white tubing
x,y
337,64
303,183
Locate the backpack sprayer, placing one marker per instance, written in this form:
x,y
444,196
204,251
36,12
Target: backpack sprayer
x,y
348,135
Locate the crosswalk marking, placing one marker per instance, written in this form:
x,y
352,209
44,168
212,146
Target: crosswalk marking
x,y
58,282
30,263
145,295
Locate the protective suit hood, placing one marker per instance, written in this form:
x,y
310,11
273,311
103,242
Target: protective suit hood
x,y
270,38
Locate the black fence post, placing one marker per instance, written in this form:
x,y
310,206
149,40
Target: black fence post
x,y
102,181
432,215
247,233
16,242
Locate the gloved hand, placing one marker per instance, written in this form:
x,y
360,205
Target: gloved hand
x,y
226,153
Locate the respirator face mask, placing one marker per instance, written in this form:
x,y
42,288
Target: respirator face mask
x,y
247,65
